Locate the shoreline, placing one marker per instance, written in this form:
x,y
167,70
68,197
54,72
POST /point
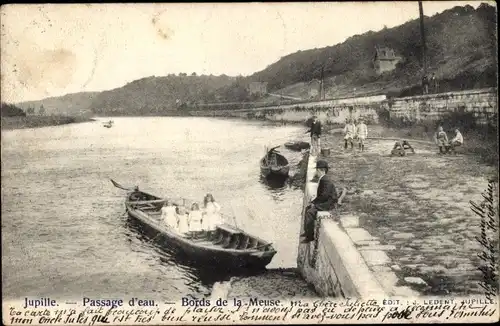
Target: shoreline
x,y
20,122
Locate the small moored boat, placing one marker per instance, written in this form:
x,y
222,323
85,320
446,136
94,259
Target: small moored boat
x,y
274,164
297,145
230,247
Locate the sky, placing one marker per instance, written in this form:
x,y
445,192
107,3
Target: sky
x,y
55,49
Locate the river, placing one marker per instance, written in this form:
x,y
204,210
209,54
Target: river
x,y
64,232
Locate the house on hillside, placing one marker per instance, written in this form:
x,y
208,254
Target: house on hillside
x,y
258,88
385,59
314,88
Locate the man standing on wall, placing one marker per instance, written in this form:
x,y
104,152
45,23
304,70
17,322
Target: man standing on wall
x,y
326,199
434,83
315,136
425,85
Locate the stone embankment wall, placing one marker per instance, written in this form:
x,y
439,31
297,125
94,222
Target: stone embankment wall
x,y
331,263
481,103
345,260
331,111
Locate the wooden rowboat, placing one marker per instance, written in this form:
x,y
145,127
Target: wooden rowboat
x,y
274,164
230,247
297,145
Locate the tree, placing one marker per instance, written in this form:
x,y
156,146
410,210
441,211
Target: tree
x,y
193,74
41,111
10,110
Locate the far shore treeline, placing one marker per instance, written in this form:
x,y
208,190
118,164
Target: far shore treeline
x,y
11,110
13,117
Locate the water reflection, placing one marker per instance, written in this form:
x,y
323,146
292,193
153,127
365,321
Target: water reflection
x,y
194,272
275,182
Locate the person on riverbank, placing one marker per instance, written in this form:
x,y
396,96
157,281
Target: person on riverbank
x,y
441,140
434,83
315,132
195,220
425,85
349,133
362,133
457,141
211,213
169,215
400,148
326,199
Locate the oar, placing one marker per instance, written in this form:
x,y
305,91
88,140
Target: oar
x,y
117,185
274,147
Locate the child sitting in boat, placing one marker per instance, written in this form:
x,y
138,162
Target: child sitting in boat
x,y
183,216
195,219
212,214
169,215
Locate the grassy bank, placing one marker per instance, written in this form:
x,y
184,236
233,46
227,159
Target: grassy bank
x,y
9,123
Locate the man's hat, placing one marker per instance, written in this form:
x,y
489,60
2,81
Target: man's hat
x,y
322,164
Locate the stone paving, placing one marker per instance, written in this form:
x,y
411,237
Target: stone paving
x,y
410,217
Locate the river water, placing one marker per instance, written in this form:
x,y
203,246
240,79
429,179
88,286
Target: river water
x,y
64,232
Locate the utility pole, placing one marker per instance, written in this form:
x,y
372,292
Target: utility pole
x,y
422,34
321,85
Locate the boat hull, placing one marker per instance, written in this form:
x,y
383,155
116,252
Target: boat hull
x,y
200,257
297,146
267,171
280,169
227,259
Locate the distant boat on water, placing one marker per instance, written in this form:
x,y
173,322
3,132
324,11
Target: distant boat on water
x,y
108,124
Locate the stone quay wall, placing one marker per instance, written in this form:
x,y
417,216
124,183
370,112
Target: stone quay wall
x,y
332,263
329,112
482,103
345,260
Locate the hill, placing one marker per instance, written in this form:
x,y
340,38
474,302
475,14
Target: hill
x,y
160,95
461,50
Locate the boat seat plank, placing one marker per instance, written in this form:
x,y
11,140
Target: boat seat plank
x,y
219,238
229,229
244,243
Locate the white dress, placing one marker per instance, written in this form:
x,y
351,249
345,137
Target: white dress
x,y
349,131
195,218
213,216
169,216
183,223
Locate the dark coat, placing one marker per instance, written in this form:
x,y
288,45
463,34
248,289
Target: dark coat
x,y
315,129
326,197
